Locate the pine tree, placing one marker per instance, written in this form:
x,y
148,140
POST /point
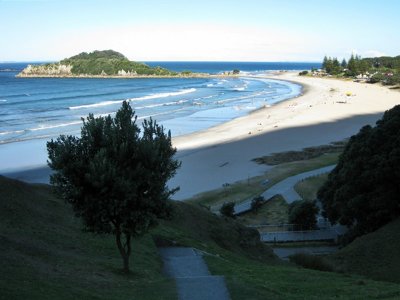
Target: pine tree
x,y
344,64
352,65
325,62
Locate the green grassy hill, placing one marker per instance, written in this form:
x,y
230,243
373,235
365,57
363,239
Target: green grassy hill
x,y
44,254
376,255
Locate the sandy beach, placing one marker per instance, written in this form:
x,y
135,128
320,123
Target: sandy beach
x,y
329,110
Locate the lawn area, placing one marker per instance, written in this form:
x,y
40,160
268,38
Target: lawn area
x,y
274,211
309,187
248,279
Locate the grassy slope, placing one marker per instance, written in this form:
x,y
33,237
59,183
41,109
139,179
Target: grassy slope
x,y
45,255
308,187
375,255
274,211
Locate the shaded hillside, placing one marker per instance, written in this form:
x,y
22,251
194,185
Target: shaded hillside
x,y
44,254
375,255
195,226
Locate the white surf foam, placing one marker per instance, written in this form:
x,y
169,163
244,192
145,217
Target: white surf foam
x,y
152,96
162,104
44,127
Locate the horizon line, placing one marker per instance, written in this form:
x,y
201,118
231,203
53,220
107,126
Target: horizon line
x,y
204,61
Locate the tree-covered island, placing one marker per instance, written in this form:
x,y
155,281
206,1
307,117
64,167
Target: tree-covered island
x,y
104,64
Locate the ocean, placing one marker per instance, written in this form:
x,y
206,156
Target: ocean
x,y
33,110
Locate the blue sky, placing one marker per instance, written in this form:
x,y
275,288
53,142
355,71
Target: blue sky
x,y
252,30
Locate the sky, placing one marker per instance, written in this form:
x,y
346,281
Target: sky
x,y
206,30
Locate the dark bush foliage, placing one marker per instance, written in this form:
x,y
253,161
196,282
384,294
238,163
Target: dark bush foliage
x,y
363,190
303,214
228,209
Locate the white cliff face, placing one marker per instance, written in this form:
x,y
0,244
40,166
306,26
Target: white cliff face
x,y
48,70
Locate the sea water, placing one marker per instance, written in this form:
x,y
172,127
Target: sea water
x,y
34,110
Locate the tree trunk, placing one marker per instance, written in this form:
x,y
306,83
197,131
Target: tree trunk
x,y
124,249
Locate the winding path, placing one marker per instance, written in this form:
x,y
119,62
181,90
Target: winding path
x,y
193,279
285,188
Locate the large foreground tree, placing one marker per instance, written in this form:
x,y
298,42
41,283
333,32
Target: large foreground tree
x,y
363,191
115,176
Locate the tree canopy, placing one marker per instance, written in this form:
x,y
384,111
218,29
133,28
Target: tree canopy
x,y
115,176
383,69
109,62
303,214
363,190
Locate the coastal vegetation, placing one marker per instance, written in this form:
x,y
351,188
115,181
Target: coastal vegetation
x,y
305,154
383,69
96,63
115,176
362,191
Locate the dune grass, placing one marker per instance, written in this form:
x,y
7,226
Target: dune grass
x,y
305,154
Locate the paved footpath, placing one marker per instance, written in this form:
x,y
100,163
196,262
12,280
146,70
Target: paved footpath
x,y
284,188
193,279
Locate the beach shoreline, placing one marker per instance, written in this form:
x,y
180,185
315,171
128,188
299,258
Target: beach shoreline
x,y
323,113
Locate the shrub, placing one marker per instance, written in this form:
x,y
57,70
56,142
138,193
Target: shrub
x,y
303,73
303,214
256,203
228,209
378,77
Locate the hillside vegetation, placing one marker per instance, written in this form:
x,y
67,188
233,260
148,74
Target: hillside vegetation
x,y
44,254
100,63
362,191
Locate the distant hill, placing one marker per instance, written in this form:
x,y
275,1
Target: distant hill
x,y
97,63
